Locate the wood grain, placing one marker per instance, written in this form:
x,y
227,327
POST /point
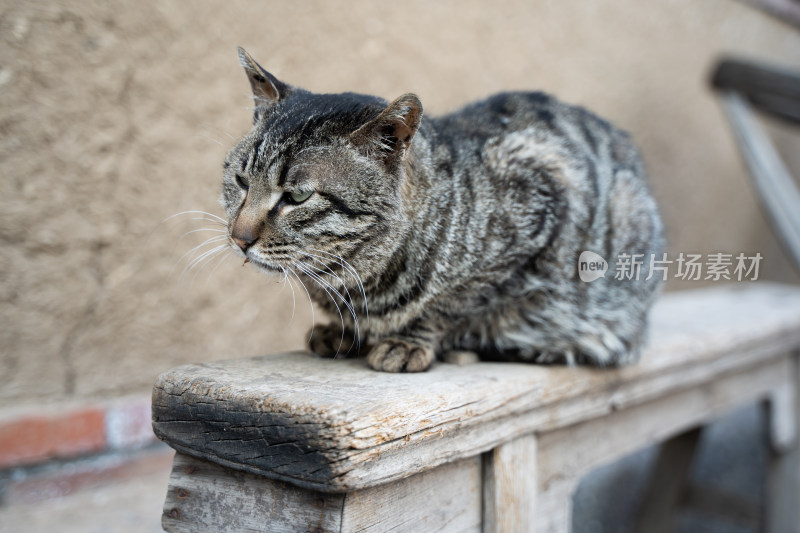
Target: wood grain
x,y
569,453
338,426
446,498
203,496
510,486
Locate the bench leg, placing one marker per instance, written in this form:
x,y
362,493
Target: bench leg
x,y
668,483
510,486
554,506
782,503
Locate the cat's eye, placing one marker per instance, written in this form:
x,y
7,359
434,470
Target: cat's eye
x,y
242,182
298,197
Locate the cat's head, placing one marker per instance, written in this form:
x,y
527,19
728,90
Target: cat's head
x,y
319,175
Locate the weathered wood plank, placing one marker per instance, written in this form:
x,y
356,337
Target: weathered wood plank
x,y
566,454
554,508
783,483
203,496
338,426
782,416
510,487
771,89
446,498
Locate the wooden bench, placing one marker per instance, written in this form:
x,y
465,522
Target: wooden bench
x,y
295,443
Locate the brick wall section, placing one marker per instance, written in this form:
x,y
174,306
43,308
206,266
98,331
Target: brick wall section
x,y
31,437
58,480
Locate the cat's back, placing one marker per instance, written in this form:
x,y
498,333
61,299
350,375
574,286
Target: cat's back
x,y
542,181
524,119
501,112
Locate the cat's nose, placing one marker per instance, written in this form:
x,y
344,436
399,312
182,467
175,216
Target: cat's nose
x,y
244,232
244,244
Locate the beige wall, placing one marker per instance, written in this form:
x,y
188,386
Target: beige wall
x,y
115,116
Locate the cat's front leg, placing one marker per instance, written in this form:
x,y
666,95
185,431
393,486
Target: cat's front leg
x,y
411,351
330,340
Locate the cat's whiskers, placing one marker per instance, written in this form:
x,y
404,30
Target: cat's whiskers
x,y
200,266
328,288
215,230
211,240
285,281
213,221
223,255
348,302
310,303
196,212
196,260
210,138
207,257
206,216
203,259
328,271
210,126
222,259
322,284
350,268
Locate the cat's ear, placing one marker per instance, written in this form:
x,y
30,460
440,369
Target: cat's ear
x,y
390,133
267,89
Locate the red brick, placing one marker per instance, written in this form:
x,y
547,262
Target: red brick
x,y
36,438
85,473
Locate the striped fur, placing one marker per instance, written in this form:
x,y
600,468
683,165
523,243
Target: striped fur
x,y
461,232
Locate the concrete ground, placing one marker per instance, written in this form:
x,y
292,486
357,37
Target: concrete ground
x,y
128,506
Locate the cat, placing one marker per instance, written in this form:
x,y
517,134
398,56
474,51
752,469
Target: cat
x,y
436,235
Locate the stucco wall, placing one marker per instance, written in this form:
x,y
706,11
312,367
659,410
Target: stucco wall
x,y
114,116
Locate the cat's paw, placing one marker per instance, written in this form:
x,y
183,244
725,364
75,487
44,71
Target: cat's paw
x,y
397,355
329,341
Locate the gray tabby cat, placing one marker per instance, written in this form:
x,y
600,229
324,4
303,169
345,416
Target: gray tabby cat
x,y
455,233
